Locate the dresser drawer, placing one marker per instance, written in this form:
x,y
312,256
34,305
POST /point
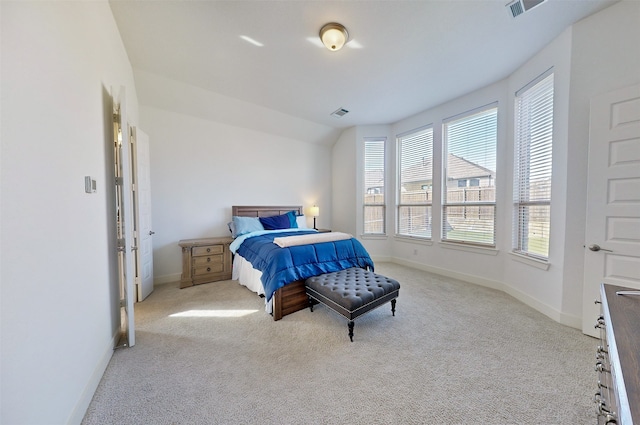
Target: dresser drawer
x,y
211,268
207,250
618,394
208,260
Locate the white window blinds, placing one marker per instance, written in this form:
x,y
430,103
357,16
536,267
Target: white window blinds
x,y
415,180
374,183
469,192
532,170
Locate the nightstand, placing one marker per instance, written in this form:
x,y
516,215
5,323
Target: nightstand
x,y
205,260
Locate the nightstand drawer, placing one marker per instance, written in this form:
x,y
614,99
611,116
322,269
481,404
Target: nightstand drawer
x,y
207,261
207,250
211,268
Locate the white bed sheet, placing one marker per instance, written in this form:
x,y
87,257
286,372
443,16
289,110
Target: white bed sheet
x,y
247,276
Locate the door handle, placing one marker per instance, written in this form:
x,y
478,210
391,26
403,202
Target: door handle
x,y
151,232
628,293
596,248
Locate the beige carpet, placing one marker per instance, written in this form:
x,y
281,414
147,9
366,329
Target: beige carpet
x,y
455,353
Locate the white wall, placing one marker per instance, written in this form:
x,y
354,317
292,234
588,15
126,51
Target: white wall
x,y
58,285
343,174
596,55
201,167
347,167
543,288
470,263
605,57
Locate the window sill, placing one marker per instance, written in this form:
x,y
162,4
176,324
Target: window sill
x,y
469,248
374,237
413,239
539,264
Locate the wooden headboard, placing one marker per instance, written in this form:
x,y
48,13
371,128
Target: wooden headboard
x,y
263,211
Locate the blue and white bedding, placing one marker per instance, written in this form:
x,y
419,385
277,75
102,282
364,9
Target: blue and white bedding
x,y
280,266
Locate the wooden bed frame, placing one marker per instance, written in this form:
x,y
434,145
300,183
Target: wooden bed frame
x,y
289,298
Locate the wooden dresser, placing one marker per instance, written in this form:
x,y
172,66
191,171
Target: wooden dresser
x,y
618,357
205,260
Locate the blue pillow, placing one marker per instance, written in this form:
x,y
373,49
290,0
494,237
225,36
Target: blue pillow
x,y
277,222
246,225
293,219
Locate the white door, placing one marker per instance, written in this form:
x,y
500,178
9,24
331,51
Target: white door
x,y
142,197
124,215
612,251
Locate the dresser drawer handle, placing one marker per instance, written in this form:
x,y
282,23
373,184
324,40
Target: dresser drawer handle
x,y
208,269
208,249
601,368
208,259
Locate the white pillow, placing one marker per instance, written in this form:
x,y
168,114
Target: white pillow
x,y
302,222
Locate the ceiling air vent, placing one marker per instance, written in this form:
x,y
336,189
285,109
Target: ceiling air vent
x,y
339,113
518,7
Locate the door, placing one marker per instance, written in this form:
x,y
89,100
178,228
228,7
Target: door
x,y
124,217
612,252
142,202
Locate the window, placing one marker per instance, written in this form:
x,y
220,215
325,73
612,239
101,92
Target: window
x,y
532,169
415,193
469,192
374,201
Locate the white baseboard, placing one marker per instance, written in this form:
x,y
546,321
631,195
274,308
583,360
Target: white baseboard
x,y
83,403
558,316
451,273
385,259
167,278
547,310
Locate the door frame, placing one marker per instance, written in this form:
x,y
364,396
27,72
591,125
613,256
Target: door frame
x,y
124,217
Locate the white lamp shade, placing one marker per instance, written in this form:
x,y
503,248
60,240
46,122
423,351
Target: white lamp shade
x,y
314,211
334,36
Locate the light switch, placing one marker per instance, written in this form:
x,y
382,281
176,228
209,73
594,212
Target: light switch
x,y
89,184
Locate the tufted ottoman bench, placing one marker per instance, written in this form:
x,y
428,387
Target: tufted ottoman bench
x,y
352,292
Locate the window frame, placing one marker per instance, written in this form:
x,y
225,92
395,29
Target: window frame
x,y
522,198
428,203
445,204
374,205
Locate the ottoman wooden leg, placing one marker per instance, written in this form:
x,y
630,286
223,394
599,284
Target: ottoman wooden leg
x,y
350,324
393,307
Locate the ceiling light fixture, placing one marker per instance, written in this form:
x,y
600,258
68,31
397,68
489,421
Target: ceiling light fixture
x,y
334,36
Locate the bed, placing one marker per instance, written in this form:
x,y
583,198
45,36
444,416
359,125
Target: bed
x,y
290,296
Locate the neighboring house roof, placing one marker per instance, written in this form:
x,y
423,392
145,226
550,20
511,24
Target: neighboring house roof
x,y
458,168
373,178
418,172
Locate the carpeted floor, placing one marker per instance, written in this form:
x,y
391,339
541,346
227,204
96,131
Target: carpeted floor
x,y
455,353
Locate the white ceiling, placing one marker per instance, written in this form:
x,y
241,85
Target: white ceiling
x,y
403,56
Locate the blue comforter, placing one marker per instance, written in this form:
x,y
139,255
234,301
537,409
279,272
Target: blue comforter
x,y
280,266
